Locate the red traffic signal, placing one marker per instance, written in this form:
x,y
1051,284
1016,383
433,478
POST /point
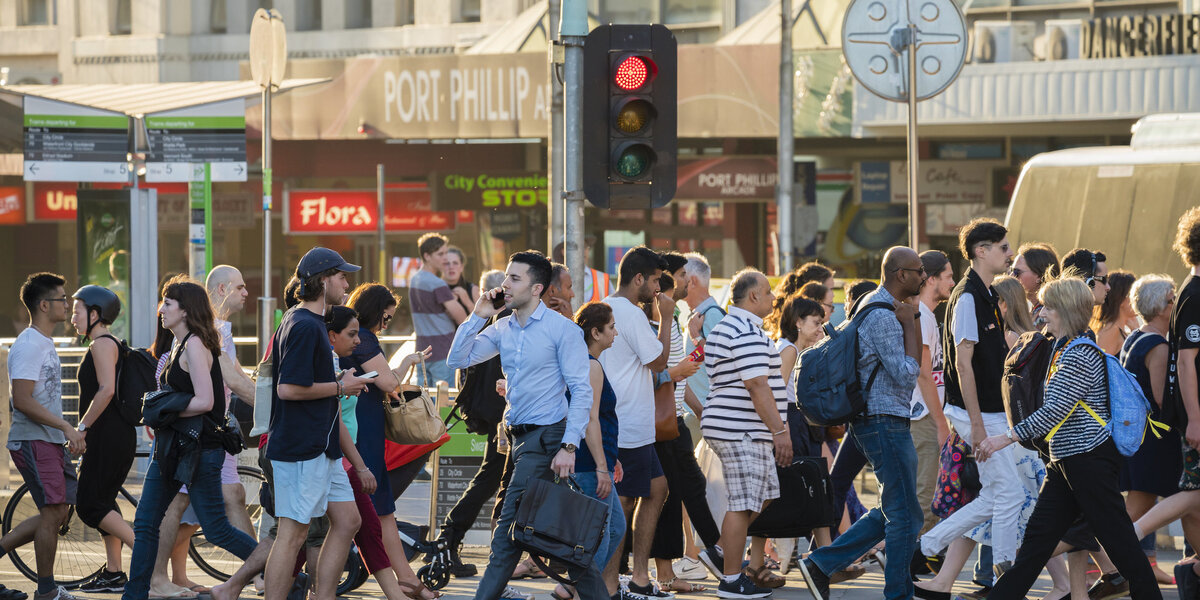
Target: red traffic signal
x,y
634,71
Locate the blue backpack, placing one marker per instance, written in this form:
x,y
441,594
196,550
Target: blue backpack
x,y
1128,407
828,390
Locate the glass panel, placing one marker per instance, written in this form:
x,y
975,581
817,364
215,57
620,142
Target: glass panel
x,y
34,12
216,17
714,213
691,11
123,17
637,12
468,11
688,213
661,216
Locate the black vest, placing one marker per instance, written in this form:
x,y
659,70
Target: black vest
x,y
990,351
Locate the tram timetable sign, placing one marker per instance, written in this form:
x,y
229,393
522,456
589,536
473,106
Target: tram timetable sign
x,y
68,142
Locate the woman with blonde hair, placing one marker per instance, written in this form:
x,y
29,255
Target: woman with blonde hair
x,y
1014,308
1083,474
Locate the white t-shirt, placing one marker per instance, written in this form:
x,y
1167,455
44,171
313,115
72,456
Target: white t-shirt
x,y
632,381
32,358
966,327
931,337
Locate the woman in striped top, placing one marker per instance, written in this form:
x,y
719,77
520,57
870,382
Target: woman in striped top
x,y
1083,475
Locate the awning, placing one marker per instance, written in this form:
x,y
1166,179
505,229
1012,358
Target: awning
x,y
815,25
138,99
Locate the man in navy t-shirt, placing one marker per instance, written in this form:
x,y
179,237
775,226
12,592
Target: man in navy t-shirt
x,y
306,429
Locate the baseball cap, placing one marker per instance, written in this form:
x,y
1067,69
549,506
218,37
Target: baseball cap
x,y
322,259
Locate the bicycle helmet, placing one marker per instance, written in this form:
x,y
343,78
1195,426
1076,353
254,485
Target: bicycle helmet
x,y
100,299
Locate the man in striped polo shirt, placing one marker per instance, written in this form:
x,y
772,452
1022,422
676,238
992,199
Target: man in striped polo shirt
x,y
744,421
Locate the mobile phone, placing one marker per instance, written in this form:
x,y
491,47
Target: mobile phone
x,y
498,301
369,375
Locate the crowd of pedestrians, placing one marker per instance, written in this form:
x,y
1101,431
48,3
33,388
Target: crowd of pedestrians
x,y
677,411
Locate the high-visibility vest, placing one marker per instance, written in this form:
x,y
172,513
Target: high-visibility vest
x,y
600,283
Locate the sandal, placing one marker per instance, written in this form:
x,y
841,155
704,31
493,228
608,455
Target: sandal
x,y
531,571
673,585
764,578
851,572
554,594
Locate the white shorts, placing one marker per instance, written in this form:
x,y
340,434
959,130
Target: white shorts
x,y
303,490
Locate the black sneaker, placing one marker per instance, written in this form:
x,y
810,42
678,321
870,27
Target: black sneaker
x,y
1113,585
106,582
1187,582
918,565
741,588
816,580
712,560
299,589
458,568
649,591
11,594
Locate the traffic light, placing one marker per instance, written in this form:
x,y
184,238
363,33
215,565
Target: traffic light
x,y
629,122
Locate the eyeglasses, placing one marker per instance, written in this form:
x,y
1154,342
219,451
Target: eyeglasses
x,y
920,271
64,299
828,307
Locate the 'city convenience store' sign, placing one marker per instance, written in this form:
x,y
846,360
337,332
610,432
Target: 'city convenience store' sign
x,y
493,190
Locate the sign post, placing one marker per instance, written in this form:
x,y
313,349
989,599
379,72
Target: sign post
x,y
200,223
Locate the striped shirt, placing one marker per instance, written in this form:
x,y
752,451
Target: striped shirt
x,y
1077,374
736,350
427,295
676,356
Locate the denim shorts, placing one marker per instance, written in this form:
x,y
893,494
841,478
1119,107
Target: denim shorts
x,y
303,490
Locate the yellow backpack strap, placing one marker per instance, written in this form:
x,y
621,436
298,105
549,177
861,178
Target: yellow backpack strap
x,y
1060,423
1092,412
1156,426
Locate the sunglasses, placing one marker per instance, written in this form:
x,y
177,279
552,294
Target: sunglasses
x,y
920,271
1016,272
1100,279
387,319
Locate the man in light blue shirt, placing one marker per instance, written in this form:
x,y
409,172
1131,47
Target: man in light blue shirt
x,y
706,313
543,355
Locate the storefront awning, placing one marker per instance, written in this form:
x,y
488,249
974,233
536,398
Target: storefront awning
x,y
138,99
1042,98
815,25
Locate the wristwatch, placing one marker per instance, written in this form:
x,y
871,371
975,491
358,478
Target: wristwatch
x,y
82,428
570,448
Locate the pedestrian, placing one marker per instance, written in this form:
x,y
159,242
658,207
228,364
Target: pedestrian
x,y
597,284
1153,471
38,432
821,294
375,306
1113,320
545,356
889,343
1010,299
706,313
630,364
677,456
1082,478
595,462
1183,393
305,435
975,349
102,471
802,275
745,423
1035,264
561,292
436,311
1091,267
454,274
194,369
929,426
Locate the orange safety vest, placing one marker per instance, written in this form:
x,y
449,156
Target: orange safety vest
x,y
599,285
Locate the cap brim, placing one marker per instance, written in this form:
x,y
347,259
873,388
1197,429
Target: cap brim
x,y
348,268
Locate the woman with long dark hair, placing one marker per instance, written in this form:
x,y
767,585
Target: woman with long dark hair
x,y
192,369
454,274
1116,318
375,305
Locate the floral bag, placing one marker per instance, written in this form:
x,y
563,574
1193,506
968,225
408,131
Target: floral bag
x,y
958,477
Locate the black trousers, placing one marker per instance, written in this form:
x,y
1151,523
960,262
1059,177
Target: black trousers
x,y
1086,484
847,464
482,488
687,488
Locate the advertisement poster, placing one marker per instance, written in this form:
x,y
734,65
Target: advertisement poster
x,y
102,225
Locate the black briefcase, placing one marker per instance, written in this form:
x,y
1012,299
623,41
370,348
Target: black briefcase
x,y
554,521
805,501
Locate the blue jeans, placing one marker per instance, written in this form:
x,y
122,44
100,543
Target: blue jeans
x,y
984,575
206,498
438,371
887,444
616,518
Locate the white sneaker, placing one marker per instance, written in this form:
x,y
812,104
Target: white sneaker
x,y
512,593
59,593
689,569
785,548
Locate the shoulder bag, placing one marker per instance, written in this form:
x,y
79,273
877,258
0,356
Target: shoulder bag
x,y
413,419
666,427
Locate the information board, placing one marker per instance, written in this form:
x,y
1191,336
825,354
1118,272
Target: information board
x,y
457,462
69,142
209,134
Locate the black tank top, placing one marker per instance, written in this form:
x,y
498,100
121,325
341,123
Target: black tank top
x,y
89,384
181,381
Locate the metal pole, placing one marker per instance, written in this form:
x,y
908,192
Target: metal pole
x,y
383,266
913,158
555,172
266,302
783,193
573,30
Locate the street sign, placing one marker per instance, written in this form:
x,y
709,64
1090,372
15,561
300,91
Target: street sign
x,y
69,142
182,141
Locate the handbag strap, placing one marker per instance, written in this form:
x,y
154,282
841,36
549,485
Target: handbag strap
x,y
411,369
567,581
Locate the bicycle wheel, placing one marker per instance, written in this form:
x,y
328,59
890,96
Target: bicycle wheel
x,y
80,548
214,560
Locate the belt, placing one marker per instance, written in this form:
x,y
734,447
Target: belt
x,y
515,430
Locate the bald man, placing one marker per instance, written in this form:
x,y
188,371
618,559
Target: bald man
x,y
889,350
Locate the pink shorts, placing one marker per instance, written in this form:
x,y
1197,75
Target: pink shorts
x,y
47,469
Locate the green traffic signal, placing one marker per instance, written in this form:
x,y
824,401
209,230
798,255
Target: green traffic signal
x,y
634,160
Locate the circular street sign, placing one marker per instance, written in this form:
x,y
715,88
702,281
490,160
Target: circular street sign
x,y
268,48
875,44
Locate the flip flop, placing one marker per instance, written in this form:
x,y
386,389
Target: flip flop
x,y
531,571
183,594
200,589
671,586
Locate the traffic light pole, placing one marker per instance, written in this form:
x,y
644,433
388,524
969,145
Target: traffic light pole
x,y
783,198
573,29
554,199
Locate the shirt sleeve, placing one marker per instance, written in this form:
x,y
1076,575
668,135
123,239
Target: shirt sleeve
x,y
929,330
295,365
641,338
966,327
25,362
711,318
1187,322
886,338
470,346
576,370
1079,369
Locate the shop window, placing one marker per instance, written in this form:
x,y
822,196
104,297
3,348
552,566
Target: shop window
x,y
688,213
358,14
122,17
34,12
468,11
662,216
216,17
713,213
405,12
668,12
968,150
680,12
627,11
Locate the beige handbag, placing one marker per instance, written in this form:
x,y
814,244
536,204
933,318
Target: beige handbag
x,y
414,418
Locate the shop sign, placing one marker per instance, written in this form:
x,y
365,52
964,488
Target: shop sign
x,y
12,206
54,201
473,190
1140,35
727,178
336,212
939,181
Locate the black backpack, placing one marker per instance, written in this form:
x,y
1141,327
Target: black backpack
x,y
135,377
1024,382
